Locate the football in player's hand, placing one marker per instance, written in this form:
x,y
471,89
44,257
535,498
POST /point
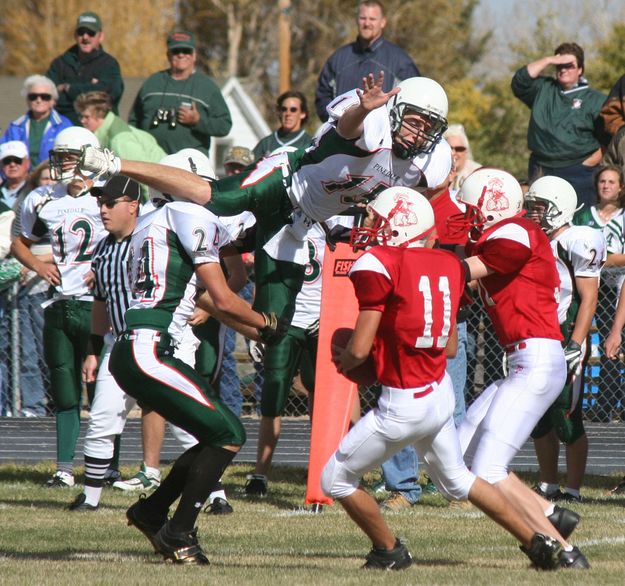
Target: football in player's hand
x,y
364,374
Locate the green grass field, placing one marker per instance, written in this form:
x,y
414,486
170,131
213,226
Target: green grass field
x,y
272,543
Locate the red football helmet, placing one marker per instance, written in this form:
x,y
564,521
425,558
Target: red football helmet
x,y
490,195
402,218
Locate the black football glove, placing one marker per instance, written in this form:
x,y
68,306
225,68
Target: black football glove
x,y
274,330
573,356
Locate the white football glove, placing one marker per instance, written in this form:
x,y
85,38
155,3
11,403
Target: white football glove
x,y
100,163
573,356
256,351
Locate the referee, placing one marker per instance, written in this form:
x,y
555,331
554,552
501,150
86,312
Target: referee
x,y
118,201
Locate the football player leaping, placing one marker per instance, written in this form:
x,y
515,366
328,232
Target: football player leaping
x,y
373,140
408,297
517,282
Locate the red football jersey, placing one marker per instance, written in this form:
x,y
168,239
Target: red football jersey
x,y
418,291
520,297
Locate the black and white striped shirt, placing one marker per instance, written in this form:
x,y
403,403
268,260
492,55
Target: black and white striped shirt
x,y
109,264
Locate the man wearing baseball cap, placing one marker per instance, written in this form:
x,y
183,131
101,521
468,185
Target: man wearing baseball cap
x,y
85,67
180,106
14,165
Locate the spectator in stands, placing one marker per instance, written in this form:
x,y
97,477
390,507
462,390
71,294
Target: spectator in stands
x,y
369,53
613,117
564,121
28,299
84,67
14,166
292,112
608,215
463,157
38,128
180,106
95,112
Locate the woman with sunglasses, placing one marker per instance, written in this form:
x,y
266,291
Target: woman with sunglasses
x,y
292,112
564,119
38,128
461,152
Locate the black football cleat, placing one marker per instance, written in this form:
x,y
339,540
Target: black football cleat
x,y
180,548
398,558
564,520
544,552
145,521
574,560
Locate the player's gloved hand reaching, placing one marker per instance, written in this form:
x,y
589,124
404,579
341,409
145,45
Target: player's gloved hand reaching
x,y
274,330
256,350
573,356
103,163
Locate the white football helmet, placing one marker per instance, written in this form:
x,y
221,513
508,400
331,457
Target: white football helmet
x,y
551,202
65,154
191,160
490,195
427,98
403,218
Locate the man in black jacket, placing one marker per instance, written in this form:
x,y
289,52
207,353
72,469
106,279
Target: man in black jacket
x,y
85,67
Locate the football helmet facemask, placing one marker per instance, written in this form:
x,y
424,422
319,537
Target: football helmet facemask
x,y
191,160
65,154
402,217
490,195
551,202
418,116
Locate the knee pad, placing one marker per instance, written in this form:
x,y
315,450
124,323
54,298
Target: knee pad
x,y
337,481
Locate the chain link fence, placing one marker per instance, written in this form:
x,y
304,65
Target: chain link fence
x,y
24,380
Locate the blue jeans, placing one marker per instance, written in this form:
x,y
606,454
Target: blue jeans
x,y
457,370
32,364
401,472
579,176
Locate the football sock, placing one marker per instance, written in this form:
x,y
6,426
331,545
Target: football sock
x,y
550,510
95,468
204,473
549,488
171,487
572,491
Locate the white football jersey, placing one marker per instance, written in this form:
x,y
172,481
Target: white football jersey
x,y
165,247
74,227
580,251
308,301
338,172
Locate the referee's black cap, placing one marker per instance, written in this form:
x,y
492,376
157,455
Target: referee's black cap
x,y
116,187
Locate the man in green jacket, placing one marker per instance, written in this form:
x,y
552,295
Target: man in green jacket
x,y
85,67
564,121
179,106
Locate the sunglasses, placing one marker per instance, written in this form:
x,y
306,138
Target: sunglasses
x,y
182,51
9,160
45,97
110,204
292,109
85,31
458,149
